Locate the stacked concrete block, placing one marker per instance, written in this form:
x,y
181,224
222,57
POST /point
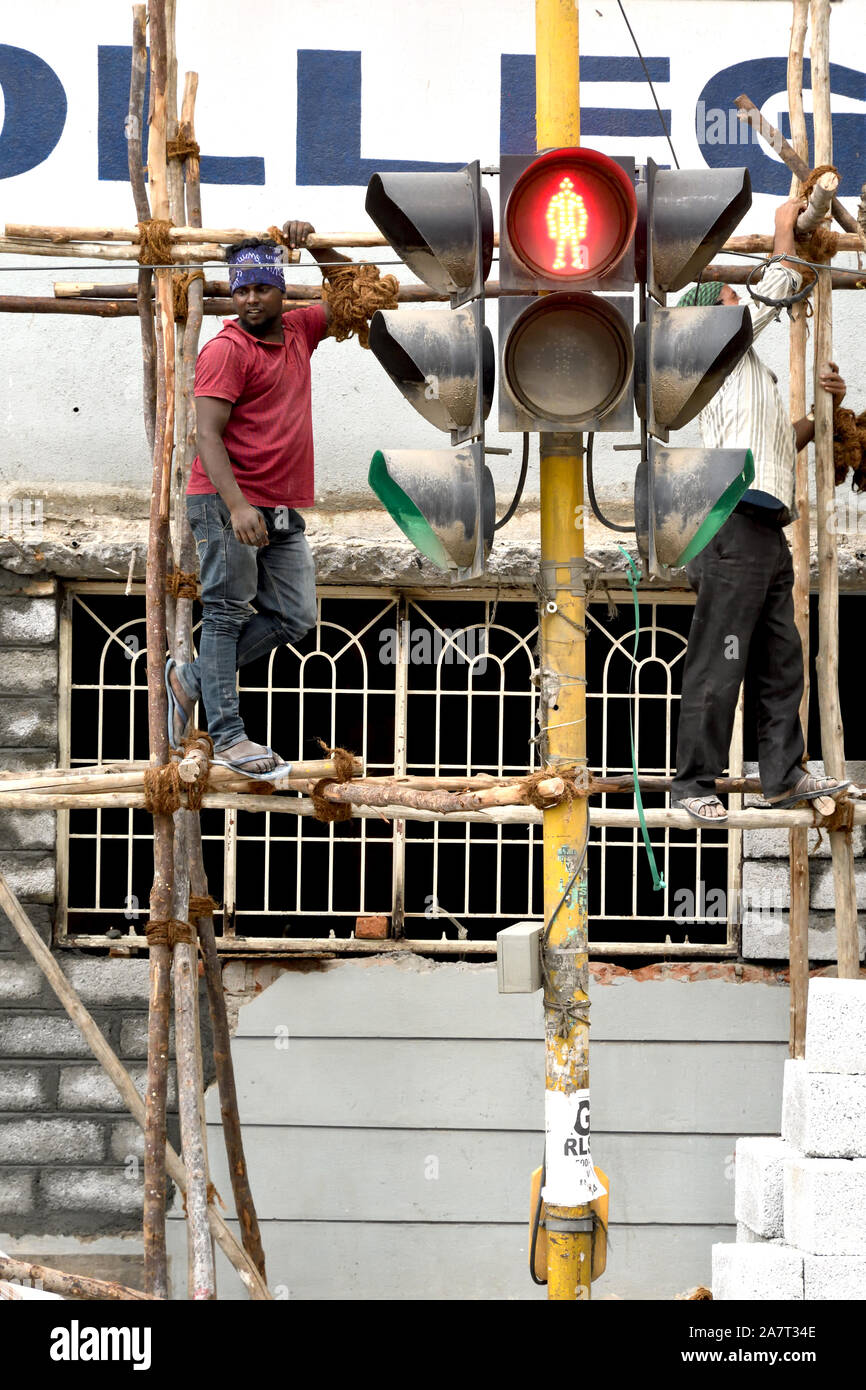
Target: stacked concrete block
x,y
766,891
800,1200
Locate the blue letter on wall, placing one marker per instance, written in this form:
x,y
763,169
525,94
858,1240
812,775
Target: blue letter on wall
x,y
35,110
115,64
761,79
329,123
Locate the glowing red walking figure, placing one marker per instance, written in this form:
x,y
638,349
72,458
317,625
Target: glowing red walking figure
x,y
566,225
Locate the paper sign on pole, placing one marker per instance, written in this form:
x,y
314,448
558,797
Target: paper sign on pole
x,y
570,1178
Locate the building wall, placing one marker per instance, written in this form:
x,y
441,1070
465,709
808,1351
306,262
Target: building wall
x,y
319,130
394,1110
388,1064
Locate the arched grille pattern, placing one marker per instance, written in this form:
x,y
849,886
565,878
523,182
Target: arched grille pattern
x,y
418,684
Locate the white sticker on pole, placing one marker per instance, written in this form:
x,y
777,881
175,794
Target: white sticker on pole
x,y
570,1178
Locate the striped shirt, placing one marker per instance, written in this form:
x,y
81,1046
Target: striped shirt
x,y
749,412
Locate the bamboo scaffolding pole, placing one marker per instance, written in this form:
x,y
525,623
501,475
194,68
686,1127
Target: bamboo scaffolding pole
x,y
201,1280
43,784
798,925
118,1074
820,202
229,1111
86,780
156,1278
103,251
832,739
144,285
69,1285
750,818
748,111
217,291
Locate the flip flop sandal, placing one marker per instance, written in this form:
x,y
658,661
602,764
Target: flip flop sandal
x,y
796,797
237,765
175,708
703,801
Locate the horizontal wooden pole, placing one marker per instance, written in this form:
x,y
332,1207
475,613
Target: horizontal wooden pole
x,y
70,1285
752,818
318,947
106,251
194,236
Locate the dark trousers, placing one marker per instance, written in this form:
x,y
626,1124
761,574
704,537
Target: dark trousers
x,y
743,620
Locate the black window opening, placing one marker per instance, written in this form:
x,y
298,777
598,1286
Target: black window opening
x,y
461,703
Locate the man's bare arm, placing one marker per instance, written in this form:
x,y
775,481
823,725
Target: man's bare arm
x,y
829,380
296,234
783,239
212,415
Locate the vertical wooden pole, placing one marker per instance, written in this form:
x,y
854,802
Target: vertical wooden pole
x,y
246,1210
142,212
156,1279
200,1262
832,739
798,947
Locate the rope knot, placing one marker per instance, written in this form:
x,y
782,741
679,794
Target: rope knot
x,y
355,292
155,243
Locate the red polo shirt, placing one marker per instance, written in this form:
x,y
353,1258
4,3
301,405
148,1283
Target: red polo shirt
x,y
269,435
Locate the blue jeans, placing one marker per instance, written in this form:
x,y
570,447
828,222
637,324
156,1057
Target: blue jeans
x,y
252,600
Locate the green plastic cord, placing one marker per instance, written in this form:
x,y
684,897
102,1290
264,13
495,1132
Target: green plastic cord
x,y
633,577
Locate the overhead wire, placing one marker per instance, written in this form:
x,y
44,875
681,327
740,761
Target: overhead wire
x,y
650,81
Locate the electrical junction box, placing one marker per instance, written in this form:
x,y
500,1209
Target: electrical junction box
x,y
518,958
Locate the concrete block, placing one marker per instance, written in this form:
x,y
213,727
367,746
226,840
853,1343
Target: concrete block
x,y
31,672
746,1236
28,722
19,980
101,980
106,1191
823,1113
133,1037
23,1088
836,1026
55,1140
766,935
825,1205
834,1277
28,622
773,844
126,1141
27,830
41,917
758,1184
24,760
757,1272
822,893
40,1035
31,876
16,1192
88,1088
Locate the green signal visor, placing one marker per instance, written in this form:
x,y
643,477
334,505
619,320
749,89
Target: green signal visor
x,y
720,512
403,510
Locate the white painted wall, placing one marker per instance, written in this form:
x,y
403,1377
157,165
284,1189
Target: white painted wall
x,y
393,1112
70,407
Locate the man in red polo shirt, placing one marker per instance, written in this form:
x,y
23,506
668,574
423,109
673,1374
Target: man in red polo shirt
x,y
254,469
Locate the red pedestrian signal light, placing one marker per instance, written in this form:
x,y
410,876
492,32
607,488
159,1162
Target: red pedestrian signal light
x,y
571,216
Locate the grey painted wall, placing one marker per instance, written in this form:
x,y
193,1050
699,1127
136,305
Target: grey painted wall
x,y
393,1113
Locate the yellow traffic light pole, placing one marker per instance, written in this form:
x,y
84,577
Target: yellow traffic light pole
x,y
563,710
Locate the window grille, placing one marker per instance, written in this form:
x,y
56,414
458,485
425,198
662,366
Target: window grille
x,y
429,685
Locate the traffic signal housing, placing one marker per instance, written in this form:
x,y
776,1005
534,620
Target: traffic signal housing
x,y
682,357
442,361
566,241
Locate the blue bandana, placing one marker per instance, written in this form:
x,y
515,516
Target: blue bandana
x,y
256,265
